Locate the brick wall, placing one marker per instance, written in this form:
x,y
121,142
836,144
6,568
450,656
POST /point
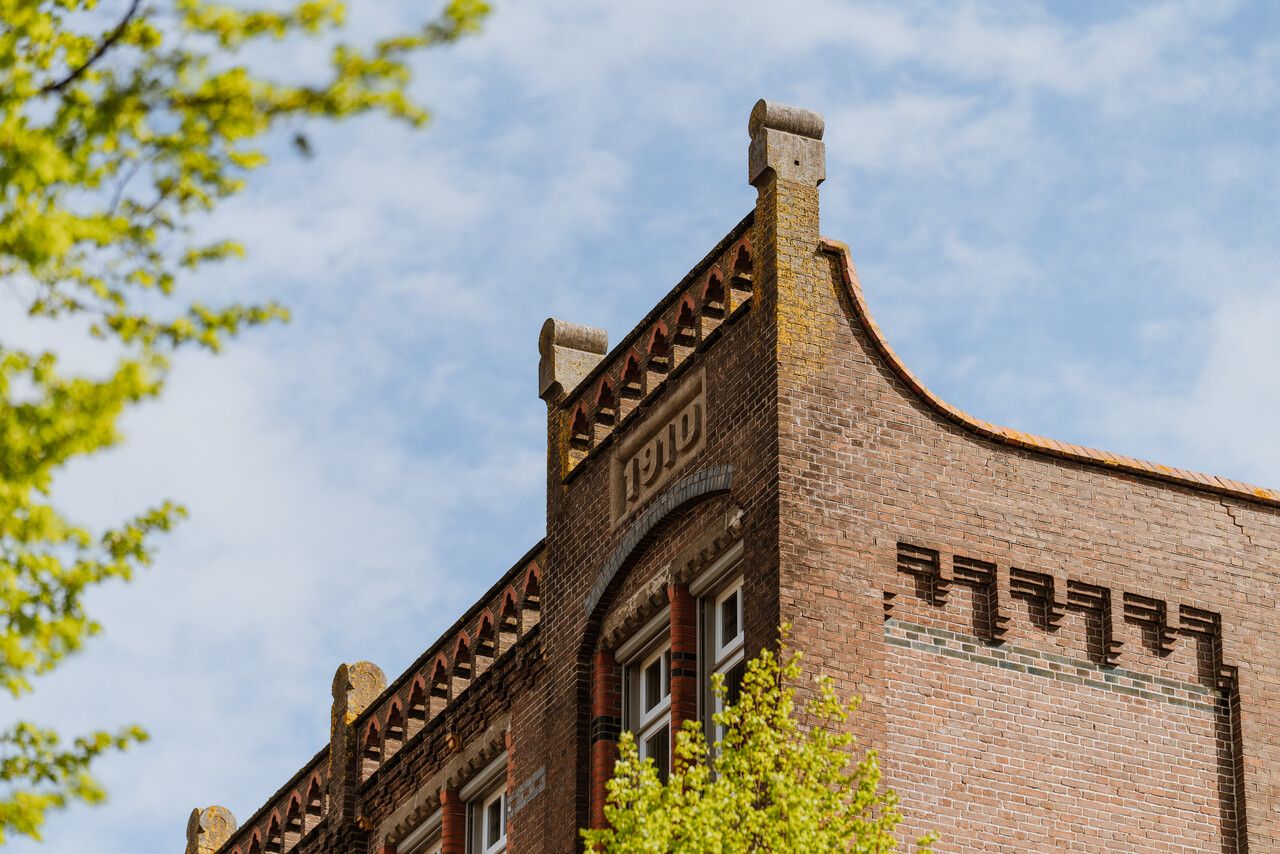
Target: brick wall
x,y
1012,749
1117,571
1058,649
581,540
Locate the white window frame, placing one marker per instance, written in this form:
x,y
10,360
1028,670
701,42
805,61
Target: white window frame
x,y
423,839
649,646
728,652
484,845
726,648
715,654
485,789
659,658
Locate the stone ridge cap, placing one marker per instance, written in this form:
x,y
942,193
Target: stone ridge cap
x,y
396,684
1026,441
571,395
244,827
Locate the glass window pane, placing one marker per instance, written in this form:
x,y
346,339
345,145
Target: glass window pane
x,y
658,748
493,823
653,684
733,683
729,618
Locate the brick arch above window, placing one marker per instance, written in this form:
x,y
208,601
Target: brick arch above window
x,y
687,491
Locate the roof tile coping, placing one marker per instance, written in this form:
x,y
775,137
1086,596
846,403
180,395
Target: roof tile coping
x,y
651,400
450,634
1027,441
522,643
281,796
620,349
690,325
317,764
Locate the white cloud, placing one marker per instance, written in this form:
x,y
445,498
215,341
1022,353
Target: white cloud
x,y
354,477
956,136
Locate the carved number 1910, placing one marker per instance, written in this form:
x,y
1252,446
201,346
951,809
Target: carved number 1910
x,y
662,452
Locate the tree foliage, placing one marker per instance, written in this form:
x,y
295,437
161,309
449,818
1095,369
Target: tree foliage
x,y
781,779
120,127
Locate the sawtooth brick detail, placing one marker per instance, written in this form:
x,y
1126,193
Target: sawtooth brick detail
x,y
1056,648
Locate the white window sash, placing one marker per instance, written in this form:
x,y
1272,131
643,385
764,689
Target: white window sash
x,y
726,653
651,644
493,846
726,648
423,839
663,705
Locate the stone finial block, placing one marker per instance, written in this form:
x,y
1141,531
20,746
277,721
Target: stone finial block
x,y
569,351
208,829
355,686
786,142
784,117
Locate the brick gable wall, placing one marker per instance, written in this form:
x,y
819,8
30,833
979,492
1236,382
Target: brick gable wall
x,y
1057,648
581,540
1102,576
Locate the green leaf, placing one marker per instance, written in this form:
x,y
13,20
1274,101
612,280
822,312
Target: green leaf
x,y
782,779
112,142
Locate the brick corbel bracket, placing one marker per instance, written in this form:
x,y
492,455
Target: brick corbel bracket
x,y
423,802
689,490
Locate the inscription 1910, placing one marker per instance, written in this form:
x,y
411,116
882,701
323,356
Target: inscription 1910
x,y
659,447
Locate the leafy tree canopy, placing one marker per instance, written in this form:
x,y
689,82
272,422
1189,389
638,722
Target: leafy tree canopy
x,y
781,779
119,127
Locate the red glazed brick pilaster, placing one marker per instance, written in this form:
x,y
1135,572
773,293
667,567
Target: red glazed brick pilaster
x,y
453,823
606,724
684,658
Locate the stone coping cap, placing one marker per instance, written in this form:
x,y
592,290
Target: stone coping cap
x,y
785,118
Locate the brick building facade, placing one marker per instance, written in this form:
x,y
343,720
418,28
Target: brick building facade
x,y
1058,648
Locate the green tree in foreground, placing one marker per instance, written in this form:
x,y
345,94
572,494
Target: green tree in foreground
x,y
773,784
119,128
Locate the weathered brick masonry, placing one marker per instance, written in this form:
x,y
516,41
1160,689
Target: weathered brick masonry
x,y
1058,648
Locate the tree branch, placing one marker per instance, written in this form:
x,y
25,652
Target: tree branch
x,y
102,48
119,191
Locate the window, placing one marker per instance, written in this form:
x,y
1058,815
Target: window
x,y
425,839
486,798
728,619
647,703
723,636
490,822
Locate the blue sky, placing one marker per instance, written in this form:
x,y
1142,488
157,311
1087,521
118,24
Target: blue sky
x,y
1065,218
